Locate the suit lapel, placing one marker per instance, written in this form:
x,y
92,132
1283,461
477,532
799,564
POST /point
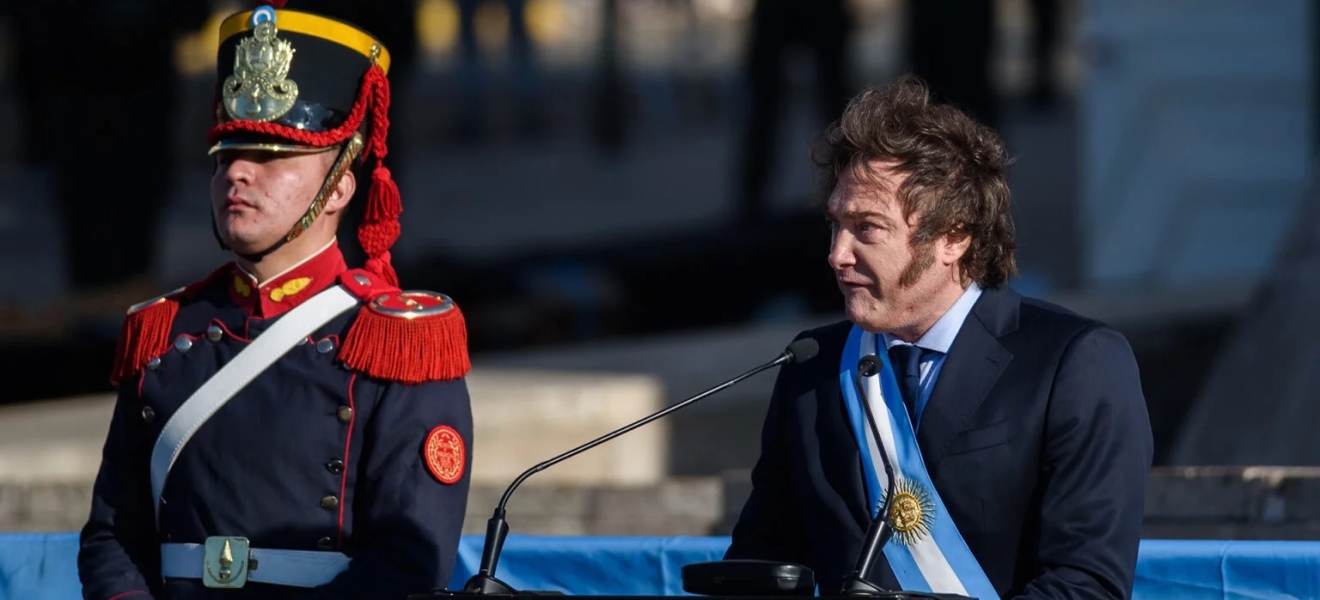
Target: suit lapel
x,y
851,485
975,362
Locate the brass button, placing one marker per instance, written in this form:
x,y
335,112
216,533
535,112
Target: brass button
x,y
183,344
361,279
214,333
325,345
335,466
325,543
329,502
345,414
148,414
153,364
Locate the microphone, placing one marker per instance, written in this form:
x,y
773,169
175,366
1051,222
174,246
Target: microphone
x,y
497,529
879,531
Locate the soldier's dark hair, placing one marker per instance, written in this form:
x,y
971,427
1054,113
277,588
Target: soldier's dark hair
x,y
956,170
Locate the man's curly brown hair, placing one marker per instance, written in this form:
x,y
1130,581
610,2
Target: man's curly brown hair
x,y
956,171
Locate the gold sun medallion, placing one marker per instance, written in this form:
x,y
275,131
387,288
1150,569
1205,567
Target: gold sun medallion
x,y
912,514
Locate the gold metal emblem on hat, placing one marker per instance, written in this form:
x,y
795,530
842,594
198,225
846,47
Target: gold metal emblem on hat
x,y
259,88
912,513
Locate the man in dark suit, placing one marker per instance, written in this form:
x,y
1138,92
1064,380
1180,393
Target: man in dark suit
x,y
1026,474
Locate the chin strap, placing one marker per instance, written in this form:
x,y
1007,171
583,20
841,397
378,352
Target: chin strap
x,y
347,154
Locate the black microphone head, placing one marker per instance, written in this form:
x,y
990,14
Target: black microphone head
x,y
803,350
869,365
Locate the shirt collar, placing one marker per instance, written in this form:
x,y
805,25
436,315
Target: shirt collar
x,y
288,289
941,335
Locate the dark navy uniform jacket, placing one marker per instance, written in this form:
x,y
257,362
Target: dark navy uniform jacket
x,y
1036,437
311,455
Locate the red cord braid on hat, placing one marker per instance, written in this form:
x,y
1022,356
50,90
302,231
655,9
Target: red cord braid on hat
x,y
380,219
301,136
274,3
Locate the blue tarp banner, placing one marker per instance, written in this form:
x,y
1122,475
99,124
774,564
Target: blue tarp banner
x,y
44,566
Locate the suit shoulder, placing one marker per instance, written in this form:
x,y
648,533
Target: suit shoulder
x,y
1042,320
145,332
412,336
1038,314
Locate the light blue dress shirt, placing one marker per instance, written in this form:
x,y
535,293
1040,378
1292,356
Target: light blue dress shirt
x,y
938,338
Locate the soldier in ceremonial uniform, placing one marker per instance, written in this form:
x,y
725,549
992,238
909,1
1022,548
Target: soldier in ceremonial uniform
x,y
287,427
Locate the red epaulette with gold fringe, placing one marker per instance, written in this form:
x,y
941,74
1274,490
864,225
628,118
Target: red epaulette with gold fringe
x,y
145,333
409,337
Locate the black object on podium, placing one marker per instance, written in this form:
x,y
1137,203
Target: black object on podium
x,y
484,583
749,578
744,577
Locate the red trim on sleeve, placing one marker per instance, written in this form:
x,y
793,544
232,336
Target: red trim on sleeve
x,y
127,594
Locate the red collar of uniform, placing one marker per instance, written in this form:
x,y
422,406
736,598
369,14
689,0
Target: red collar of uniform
x,y
281,293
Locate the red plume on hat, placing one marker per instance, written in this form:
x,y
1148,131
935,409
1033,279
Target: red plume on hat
x,y
369,114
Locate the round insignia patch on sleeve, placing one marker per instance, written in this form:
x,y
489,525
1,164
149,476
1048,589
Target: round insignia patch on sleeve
x,y
445,454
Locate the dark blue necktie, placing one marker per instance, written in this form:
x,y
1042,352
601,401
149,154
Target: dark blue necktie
x,y
907,369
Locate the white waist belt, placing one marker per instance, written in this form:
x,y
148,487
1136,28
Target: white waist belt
x,y
297,568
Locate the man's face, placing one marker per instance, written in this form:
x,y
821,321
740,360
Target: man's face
x,y
887,283
257,196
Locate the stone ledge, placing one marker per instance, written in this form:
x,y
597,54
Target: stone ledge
x,y
1263,502
520,416
1234,494
1184,502
1192,530
671,507
44,506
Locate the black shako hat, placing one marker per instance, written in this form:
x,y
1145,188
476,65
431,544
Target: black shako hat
x,y
295,81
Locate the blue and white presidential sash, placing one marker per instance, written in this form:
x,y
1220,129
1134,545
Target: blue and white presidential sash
x,y
926,552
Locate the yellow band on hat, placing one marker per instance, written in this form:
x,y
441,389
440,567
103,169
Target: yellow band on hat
x,y
316,26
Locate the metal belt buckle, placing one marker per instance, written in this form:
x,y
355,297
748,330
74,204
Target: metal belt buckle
x,y
227,562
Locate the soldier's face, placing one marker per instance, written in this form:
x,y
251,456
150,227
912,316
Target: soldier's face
x,y
257,196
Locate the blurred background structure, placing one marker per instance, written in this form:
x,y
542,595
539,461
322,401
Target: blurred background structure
x,y
618,193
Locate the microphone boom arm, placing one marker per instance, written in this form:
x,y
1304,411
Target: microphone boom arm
x,y
497,529
634,425
877,534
